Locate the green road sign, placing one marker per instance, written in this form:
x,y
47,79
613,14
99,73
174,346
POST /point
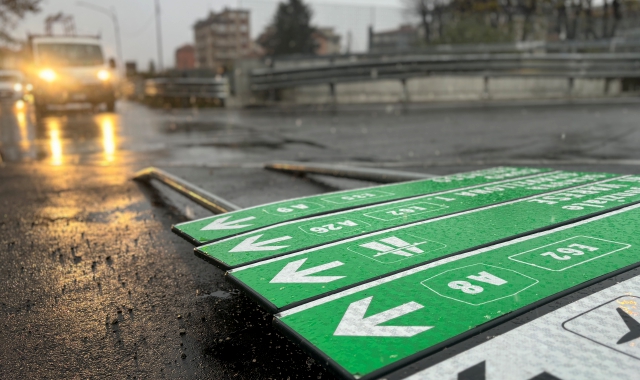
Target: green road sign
x,y
249,219
376,327
289,280
300,234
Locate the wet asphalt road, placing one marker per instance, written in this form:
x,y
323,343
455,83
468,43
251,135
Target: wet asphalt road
x,y
94,285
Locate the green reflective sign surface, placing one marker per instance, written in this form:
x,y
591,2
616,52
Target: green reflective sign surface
x,y
288,280
221,226
305,233
371,329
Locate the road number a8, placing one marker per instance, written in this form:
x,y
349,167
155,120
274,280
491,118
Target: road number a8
x,y
469,288
573,250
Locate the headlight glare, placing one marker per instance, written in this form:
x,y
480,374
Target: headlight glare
x,y
104,75
47,75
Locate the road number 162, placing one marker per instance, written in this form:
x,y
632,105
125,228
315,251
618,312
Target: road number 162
x,y
573,249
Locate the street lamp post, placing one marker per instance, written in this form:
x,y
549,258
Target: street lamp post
x,y
159,36
116,26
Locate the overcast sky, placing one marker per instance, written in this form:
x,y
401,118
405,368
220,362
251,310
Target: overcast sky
x,y
136,18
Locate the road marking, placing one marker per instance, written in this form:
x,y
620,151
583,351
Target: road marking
x,y
222,224
250,245
354,323
290,274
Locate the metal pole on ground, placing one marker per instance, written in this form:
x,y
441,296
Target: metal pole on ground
x,y
345,171
202,197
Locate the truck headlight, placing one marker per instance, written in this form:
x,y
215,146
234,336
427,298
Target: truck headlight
x,y
104,75
17,87
47,75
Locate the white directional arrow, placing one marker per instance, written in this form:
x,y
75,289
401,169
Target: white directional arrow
x,y
290,274
354,323
222,224
250,245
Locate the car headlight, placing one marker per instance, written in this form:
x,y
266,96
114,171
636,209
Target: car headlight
x,y
47,75
17,87
104,75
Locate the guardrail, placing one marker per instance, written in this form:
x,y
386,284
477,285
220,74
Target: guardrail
x,y
192,89
607,65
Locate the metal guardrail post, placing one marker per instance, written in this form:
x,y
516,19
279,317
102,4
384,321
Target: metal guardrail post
x,y
202,197
345,171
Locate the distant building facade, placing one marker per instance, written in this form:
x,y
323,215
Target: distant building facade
x,y
222,38
185,57
327,41
405,38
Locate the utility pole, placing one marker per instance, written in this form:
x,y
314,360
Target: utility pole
x,y
159,36
116,26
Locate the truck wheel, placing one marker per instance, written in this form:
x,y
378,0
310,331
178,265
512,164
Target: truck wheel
x,y
111,106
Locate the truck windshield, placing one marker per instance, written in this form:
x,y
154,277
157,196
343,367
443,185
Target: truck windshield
x,y
70,54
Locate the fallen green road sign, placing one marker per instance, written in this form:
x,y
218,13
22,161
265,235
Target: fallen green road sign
x,y
286,281
374,328
301,234
221,226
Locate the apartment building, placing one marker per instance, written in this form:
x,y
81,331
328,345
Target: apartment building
x,y
222,38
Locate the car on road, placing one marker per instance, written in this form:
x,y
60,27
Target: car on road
x,y
70,69
12,84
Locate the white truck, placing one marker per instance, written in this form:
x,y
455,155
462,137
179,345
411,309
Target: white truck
x,y
70,69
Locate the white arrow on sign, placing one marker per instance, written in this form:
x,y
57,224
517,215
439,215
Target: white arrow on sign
x,y
250,245
222,224
290,274
354,323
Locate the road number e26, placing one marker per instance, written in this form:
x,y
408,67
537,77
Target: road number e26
x,y
333,227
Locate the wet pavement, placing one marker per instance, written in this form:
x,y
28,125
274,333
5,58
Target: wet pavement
x,y
96,286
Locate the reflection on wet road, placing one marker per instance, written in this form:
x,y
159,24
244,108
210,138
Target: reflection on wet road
x,y
63,138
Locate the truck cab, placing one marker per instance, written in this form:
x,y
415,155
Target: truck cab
x,y
70,69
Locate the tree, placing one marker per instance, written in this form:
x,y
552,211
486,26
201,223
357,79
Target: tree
x,y
12,11
290,31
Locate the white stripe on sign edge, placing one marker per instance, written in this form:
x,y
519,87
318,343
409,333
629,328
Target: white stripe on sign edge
x,y
284,257
422,268
418,197
377,187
